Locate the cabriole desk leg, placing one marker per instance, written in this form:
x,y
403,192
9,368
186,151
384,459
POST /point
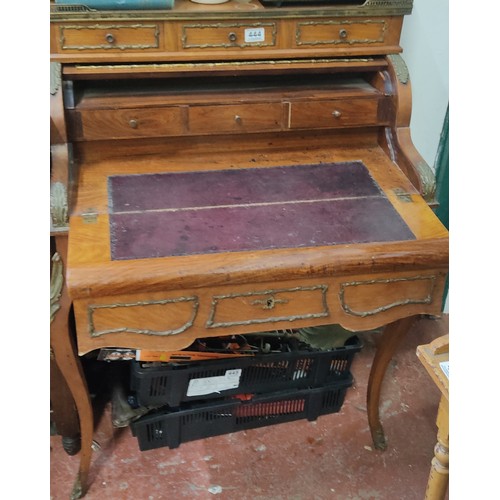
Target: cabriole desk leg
x,y
67,360
437,484
63,411
391,337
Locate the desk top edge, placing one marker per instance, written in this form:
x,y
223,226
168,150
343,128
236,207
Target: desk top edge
x,y
185,9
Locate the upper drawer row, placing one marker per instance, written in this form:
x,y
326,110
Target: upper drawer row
x,y
82,40
129,123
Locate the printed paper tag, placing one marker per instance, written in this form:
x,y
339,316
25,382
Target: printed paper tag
x,y
209,385
254,35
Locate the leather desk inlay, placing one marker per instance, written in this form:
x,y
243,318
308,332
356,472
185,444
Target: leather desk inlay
x,y
185,213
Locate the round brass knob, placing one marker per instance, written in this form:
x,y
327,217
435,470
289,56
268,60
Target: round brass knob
x,y
238,119
337,114
232,36
133,123
343,33
110,38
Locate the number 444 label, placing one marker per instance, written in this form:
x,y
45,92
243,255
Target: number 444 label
x,y
254,35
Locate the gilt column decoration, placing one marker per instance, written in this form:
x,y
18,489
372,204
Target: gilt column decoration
x,y
58,205
55,77
56,283
400,68
428,180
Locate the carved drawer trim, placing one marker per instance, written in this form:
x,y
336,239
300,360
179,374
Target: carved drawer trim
x,y
343,27
423,295
257,307
185,317
227,29
111,29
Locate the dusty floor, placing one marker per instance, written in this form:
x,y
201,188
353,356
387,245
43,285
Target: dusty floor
x,y
330,458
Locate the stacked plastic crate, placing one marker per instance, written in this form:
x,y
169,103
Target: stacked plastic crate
x,y
274,379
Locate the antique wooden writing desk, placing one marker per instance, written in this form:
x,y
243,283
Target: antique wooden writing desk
x,y
231,169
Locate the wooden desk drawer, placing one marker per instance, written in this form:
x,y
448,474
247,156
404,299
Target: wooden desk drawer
x,y
333,113
131,123
235,118
370,297
340,32
269,306
109,37
228,35
155,316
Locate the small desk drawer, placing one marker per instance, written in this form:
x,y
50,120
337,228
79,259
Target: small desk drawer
x,y
371,297
109,37
340,32
131,123
235,118
158,317
333,113
269,306
228,35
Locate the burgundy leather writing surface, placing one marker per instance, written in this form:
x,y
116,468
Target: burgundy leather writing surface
x,y
227,187
184,213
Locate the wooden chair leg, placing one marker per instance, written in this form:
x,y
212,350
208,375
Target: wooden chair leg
x,y
68,362
391,338
437,485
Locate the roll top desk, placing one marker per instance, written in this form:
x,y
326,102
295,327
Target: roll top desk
x,y
235,168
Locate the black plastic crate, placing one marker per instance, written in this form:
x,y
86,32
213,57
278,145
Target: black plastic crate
x,y
173,383
171,427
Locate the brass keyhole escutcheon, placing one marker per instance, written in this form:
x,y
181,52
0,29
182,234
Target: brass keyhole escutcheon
x,y
110,38
269,302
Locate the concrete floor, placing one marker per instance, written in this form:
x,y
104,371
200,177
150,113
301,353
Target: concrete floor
x,y
330,458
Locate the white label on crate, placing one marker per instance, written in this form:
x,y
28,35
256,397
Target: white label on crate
x,y
209,385
254,35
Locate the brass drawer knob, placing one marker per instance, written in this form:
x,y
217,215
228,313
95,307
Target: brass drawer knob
x,y
336,114
133,123
232,37
110,38
238,119
343,33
